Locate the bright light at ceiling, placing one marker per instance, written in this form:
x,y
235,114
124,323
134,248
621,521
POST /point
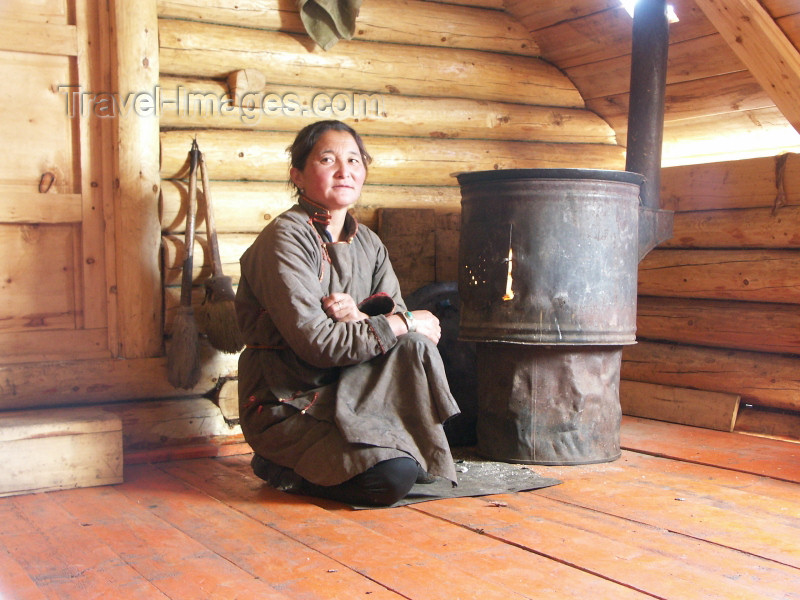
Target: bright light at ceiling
x,y
629,6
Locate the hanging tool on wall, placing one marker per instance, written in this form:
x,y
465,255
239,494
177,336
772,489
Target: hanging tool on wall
x,y
218,312
183,351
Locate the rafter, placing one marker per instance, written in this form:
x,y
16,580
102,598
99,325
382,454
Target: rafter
x,y
764,49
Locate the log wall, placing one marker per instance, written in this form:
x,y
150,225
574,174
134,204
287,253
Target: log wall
x,y
434,88
718,307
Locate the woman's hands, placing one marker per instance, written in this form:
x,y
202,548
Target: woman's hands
x,y
426,323
341,307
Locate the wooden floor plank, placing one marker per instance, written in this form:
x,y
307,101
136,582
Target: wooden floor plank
x,y
63,556
521,570
690,506
735,451
654,561
14,581
179,566
394,564
768,494
296,570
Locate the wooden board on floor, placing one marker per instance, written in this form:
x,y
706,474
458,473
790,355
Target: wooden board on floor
x,y
713,410
177,564
397,565
619,549
694,507
735,451
51,449
521,569
63,556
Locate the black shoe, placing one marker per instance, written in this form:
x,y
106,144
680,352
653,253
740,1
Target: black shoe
x,y
423,476
281,478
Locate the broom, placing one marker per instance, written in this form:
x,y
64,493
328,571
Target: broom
x,y
183,355
218,312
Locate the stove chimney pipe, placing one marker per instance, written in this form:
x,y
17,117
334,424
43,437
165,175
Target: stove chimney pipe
x,y
650,45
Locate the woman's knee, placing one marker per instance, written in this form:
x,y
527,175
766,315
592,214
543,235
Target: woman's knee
x,y
389,480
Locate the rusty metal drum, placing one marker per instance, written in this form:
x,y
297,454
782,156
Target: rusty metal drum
x,y
549,256
548,263
548,405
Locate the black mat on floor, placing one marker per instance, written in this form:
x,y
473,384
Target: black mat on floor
x,y
477,477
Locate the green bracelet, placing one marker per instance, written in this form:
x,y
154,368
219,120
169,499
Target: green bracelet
x,y
408,319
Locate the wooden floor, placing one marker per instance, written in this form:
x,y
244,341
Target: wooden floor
x,y
685,513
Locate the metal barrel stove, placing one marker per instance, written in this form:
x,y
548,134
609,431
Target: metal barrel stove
x,y
548,263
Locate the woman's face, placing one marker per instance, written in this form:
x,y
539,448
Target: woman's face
x,y
334,171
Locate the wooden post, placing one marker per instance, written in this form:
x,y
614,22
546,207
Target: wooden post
x,y
136,203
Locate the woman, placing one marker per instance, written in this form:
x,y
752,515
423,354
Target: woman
x,y
342,391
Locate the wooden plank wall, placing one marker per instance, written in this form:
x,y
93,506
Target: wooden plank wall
x,y
718,305
715,109
443,88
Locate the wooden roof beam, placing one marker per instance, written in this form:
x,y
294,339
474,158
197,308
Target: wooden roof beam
x,y
764,49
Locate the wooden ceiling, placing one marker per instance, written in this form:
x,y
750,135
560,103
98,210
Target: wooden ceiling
x,y
733,80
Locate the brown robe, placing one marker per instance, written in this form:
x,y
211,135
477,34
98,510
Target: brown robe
x,y
325,398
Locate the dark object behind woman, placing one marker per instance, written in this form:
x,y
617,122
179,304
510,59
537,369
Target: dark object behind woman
x,y
342,391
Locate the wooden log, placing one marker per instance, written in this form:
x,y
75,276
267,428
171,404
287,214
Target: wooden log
x,y
540,15
197,103
700,58
733,184
45,450
763,48
227,400
239,206
246,207
690,99
65,383
410,238
174,422
732,136
762,379
744,228
251,155
136,221
755,326
231,248
783,11
698,408
606,34
213,51
389,21
492,4
750,275
780,425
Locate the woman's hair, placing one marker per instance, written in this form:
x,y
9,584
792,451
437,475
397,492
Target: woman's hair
x,y
309,135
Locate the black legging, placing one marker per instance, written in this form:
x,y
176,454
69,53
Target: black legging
x,y
380,485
